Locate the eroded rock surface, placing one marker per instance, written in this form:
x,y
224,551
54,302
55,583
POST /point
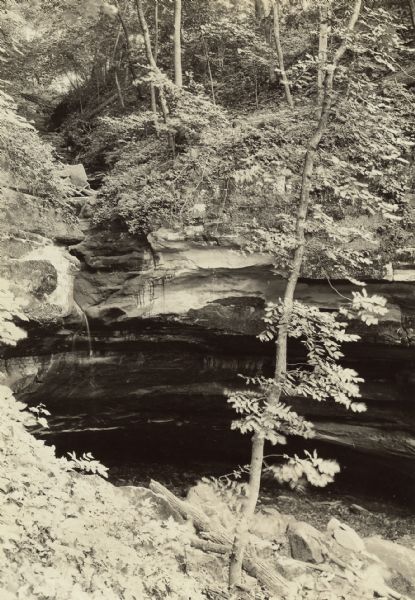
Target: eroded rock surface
x,y
157,329
35,259
208,282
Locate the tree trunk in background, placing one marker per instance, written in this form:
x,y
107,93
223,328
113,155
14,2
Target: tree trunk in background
x,y
178,73
262,9
269,36
262,14
209,69
119,90
277,37
117,39
412,9
127,42
156,51
325,15
257,451
153,65
150,56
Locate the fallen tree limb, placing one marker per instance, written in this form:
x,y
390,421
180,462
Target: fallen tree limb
x,y
207,546
201,522
220,541
217,540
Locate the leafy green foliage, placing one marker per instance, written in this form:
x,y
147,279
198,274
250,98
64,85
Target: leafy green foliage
x,y
317,471
68,536
322,334
10,333
26,162
244,163
366,308
143,187
322,378
271,421
87,464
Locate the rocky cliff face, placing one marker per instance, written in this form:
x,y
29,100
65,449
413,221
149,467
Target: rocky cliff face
x,y
35,259
168,323
180,274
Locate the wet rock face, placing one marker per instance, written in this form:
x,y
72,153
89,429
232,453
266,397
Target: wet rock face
x,y
156,390
173,320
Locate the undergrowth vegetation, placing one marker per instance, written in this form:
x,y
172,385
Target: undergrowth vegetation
x,y
27,163
70,535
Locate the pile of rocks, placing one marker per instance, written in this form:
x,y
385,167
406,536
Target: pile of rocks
x,y
83,198
301,560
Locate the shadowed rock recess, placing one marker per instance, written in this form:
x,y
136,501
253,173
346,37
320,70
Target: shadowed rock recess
x,y
133,342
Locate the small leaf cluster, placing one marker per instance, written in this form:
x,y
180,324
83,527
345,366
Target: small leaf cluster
x,y
40,412
272,421
87,464
319,472
365,308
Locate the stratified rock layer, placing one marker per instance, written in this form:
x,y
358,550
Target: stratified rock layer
x,y
35,260
168,324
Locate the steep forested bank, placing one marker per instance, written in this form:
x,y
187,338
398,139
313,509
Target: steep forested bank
x,y
243,160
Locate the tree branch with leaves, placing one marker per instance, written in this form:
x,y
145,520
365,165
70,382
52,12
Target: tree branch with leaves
x,y
287,306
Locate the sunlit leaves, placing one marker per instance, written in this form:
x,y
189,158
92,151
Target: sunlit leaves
x,y
330,381
87,463
271,420
366,308
322,333
316,471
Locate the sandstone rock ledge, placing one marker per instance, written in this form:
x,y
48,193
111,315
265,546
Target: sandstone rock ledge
x,y
35,259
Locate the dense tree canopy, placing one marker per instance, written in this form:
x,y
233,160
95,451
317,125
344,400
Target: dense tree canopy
x,y
227,138
230,128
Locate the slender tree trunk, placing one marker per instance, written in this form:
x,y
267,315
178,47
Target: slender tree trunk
x,y
212,87
156,50
257,451
178,73
280,54
325,15
127,42
412,9
97,83
156,30
269,36
153,100
119,90
242,532
262,14
117,39
153,65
